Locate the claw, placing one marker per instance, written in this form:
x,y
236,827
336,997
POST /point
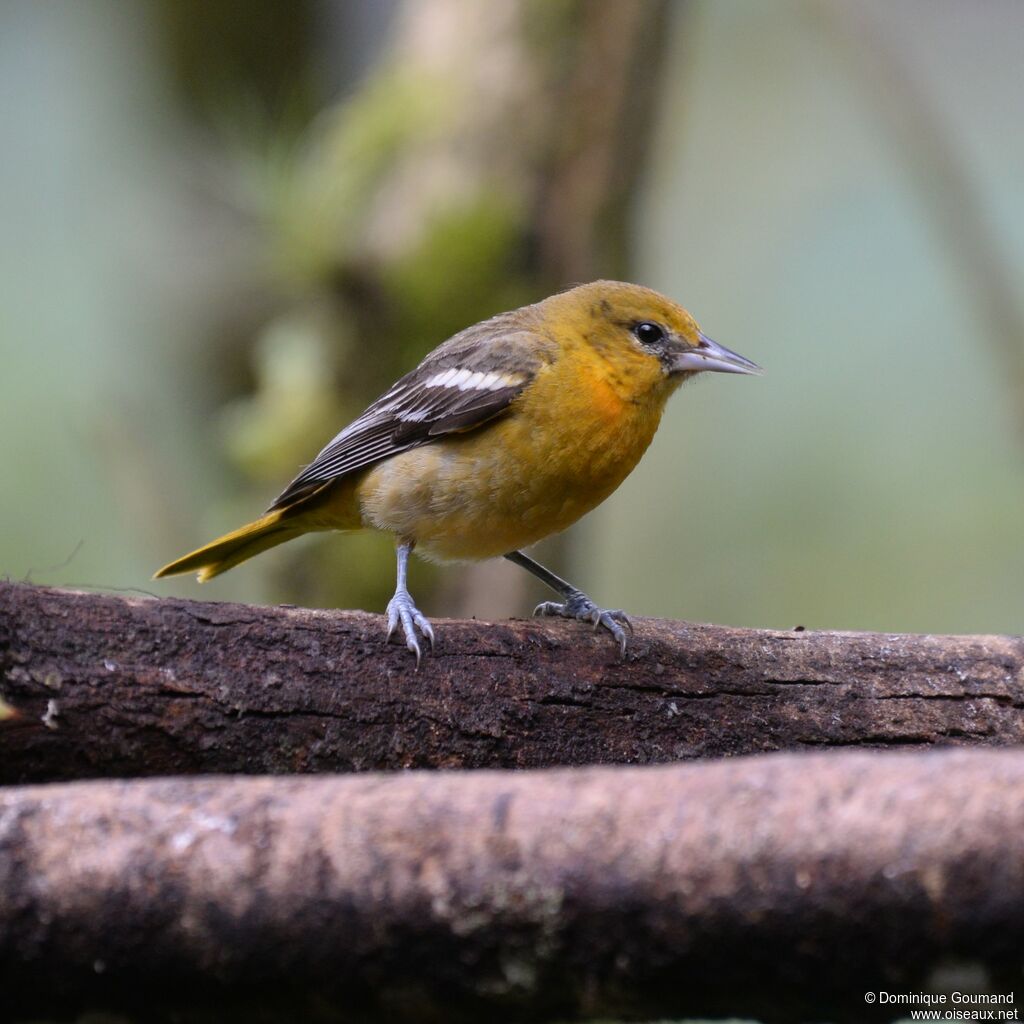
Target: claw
x,y
579,606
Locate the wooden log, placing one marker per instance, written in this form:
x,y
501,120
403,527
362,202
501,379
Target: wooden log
x,y
777,888
119,686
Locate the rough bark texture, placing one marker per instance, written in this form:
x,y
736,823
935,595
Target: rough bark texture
x,y
115,686
779,888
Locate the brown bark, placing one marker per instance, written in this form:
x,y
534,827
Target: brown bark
x,y
116,686
778,888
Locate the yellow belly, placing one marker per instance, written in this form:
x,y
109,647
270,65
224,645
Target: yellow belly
x,y
512,482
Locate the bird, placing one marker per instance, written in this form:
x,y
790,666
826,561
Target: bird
x,y
505,434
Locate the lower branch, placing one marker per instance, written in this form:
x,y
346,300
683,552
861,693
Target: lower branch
x,y
778,888
115,686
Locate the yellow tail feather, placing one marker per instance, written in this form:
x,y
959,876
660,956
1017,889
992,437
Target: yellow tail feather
x,y
228,551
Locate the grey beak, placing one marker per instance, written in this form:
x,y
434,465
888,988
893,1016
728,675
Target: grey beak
x,y
709,355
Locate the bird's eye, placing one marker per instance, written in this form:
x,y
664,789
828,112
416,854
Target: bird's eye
x,y
649,334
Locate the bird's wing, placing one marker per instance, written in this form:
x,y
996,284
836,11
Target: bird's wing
x,y
464,383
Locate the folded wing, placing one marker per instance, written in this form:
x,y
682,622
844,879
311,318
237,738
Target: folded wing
x,y
471,379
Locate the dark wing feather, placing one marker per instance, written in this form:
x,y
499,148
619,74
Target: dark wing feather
x,y
464,383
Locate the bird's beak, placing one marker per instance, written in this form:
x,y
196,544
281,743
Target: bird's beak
x,y
709,355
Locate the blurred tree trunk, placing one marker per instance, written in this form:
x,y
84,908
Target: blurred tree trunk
x,y
258,49
578,82
487,160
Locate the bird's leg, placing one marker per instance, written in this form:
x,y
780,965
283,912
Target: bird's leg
x,y
576,604
402,609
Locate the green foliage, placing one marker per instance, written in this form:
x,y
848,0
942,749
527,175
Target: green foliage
x,y
318,210
294,402
459,272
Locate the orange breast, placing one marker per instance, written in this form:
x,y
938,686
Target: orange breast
x,y
563,447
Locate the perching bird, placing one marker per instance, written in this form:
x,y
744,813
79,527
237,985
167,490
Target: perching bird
x,y
505,434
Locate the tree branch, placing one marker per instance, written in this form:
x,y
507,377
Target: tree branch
x,y
780,888
115,686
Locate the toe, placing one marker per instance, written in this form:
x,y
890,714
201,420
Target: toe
x,y
425,628
621,617
616,630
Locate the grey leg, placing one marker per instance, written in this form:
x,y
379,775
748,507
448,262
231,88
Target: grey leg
x,y
402,609
576,604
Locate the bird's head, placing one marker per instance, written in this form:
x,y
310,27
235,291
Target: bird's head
x,y
641,334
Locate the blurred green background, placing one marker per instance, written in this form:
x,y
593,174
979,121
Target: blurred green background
x,y
228,226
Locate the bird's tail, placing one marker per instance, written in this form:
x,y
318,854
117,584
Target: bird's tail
x,y
228,551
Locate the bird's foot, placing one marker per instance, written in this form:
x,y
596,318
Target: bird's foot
x,y
579,606
402,609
